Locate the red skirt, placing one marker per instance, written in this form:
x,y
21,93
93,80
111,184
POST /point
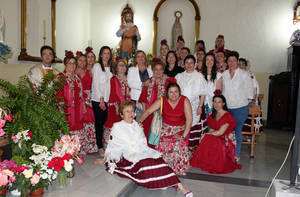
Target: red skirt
x,y
212,155
150,173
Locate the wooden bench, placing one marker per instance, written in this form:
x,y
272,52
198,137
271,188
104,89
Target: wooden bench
x,y
254,111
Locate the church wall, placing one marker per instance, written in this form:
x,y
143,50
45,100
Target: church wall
x,y
259,30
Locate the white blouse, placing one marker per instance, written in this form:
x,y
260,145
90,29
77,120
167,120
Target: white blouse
x,y
192,86
101,83
135,83
210,89
128,141
237,90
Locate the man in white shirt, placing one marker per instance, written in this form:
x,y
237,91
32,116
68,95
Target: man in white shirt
x,y
38,72
237,89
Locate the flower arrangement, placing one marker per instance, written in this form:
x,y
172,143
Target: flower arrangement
x,y
4,116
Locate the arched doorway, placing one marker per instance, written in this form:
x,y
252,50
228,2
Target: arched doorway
x,y
155,21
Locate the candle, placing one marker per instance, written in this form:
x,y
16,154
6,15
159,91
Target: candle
x,y
44,29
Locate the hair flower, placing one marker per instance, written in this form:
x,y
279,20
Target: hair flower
x,y
88,49
69,54
163,42
78,53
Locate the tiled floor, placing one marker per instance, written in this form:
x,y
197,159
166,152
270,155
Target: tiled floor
x,y
251,181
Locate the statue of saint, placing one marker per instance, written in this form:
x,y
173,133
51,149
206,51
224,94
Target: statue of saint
x,y
176,29
129,33
4,48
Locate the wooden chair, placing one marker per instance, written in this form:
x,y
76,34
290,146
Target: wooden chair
x,y
254,111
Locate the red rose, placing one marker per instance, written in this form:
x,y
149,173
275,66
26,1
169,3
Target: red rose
x,y
67,157
57,163
252,77
163,42
30,134
69,54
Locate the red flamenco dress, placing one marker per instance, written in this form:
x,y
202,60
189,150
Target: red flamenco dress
x,y
215,154
89,134
175,152
72,99
119,92
149,95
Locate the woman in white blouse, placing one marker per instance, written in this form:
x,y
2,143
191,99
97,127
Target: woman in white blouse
x,y
137,78
213,80
238,91
100,92
192,85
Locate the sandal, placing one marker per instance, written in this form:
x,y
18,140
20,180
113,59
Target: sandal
x,y
189,194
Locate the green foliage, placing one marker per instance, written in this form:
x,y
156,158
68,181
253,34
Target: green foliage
x,y
35,109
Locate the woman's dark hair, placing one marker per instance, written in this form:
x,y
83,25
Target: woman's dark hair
x,y
243,60
213,70
201,42
186,48
233,54
176,61
100,58
189,57
214,112
171,85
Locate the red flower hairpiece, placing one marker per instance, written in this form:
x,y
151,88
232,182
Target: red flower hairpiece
x,y
69,54
220,36
156,59
88,49
78,53
217,92
171,80
164,42
118,58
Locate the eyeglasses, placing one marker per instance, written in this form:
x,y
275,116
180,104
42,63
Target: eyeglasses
x,y
47,54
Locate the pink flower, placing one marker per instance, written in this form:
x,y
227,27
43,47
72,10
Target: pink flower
x,y
12,179
2,123
2,132
8,117
35,179
13,137
3,179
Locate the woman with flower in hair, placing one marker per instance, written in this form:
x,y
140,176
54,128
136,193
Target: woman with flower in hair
x,y
213,81
164,49
154,90
216,151
100,92
138,76
89,135
91,58
119,92
71,96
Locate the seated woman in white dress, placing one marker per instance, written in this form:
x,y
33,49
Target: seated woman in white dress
x,y
128,155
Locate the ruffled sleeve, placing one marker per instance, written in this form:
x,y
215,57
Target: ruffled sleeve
x,y
115,147
231,121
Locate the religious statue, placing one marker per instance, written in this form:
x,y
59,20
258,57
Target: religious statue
x,y
129,33
176,29
4,48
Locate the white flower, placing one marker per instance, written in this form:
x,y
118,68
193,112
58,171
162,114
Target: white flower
x,y
50,171
19,136
28,173
44,176
68,165
54,176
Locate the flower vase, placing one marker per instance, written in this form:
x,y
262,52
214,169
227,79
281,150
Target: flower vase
x,y
23,192
61,179
71,174
38,192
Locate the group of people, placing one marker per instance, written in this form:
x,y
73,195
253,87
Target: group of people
x,y
203,100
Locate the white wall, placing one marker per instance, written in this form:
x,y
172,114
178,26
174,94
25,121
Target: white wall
x,y
166,20
73,27
259,30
